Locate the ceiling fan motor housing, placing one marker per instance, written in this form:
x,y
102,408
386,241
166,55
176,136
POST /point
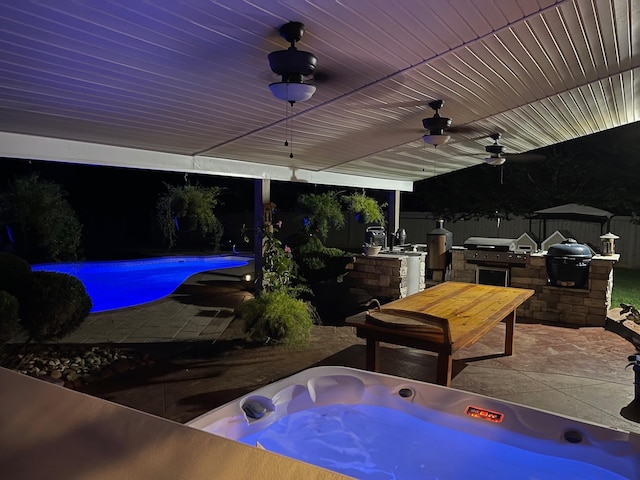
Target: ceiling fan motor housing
x,y
292,61
436,124
292,64
495,149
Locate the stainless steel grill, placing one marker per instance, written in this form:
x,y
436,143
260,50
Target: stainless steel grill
x,y
493,252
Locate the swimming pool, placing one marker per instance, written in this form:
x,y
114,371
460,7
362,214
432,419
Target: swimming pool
x,y
374,426
119,284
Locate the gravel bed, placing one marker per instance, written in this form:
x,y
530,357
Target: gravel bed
x,y
75,365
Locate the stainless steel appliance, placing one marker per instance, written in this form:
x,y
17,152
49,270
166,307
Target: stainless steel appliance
x,y
376,235
493,252
493,258
439,243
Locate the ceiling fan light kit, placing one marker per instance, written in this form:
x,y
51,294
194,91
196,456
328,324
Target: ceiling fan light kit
x,y
292,92
292,65
495,160
436,140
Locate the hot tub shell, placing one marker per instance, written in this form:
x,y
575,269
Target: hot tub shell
x,y
489,418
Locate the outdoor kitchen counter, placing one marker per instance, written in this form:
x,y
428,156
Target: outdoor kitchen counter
x,y
388,275
610,258
441,319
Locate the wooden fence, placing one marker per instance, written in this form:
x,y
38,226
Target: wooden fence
x,y
419,224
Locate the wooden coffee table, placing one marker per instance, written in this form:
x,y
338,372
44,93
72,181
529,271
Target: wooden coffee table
x,y
440,319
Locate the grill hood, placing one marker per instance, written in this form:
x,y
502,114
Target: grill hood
x,y
490,244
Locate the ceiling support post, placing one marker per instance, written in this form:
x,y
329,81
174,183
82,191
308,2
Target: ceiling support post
x,y
261,199
393,215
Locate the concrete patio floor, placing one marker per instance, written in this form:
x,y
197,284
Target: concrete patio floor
x,y
203,360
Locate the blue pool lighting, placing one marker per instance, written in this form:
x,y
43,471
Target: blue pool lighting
x,y
119,284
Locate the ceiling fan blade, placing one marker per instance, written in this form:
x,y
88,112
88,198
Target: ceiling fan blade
x,y
409,104
525,157
467,128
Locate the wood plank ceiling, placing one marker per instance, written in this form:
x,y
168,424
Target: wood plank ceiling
x,y
183,85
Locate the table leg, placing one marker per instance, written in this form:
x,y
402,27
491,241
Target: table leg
x,y
508,340
443,372
372,355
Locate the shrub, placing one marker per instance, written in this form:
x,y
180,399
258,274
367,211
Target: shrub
x,y
46,226
277,314
9,324
279,270
318,263
277,317
53,305
13,272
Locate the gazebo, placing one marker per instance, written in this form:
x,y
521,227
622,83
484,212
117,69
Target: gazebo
x,y
573,211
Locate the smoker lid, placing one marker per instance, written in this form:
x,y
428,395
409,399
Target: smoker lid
x,y
490,243
569,248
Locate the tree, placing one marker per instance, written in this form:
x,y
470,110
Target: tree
x,y
43,223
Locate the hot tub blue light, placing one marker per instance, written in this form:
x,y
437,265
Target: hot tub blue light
x,y
120,284
371,442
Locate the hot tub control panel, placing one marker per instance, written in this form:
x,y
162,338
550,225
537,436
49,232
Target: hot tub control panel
x,y
484,414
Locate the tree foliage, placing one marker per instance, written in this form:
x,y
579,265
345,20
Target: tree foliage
x,y
43,223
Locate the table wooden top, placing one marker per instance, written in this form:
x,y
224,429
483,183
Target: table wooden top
x,y
451,310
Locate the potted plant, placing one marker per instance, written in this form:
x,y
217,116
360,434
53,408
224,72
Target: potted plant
x,y
322,211
188,210
367,209
371,250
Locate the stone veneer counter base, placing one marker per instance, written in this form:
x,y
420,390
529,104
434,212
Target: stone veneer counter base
x,y
562,305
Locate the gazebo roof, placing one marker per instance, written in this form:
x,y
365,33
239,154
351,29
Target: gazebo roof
x,y
574,211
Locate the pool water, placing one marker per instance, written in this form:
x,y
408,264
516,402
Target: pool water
x,y
119,284
373,442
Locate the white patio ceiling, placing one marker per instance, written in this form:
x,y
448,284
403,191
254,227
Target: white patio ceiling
x,y
183,85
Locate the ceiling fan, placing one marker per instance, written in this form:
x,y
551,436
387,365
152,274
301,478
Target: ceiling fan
x,y
293,66
497,155
436,125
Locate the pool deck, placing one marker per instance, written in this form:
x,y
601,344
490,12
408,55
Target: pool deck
x,y
203,361
199,310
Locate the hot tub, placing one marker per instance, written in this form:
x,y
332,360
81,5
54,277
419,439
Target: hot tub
x,y
371,425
